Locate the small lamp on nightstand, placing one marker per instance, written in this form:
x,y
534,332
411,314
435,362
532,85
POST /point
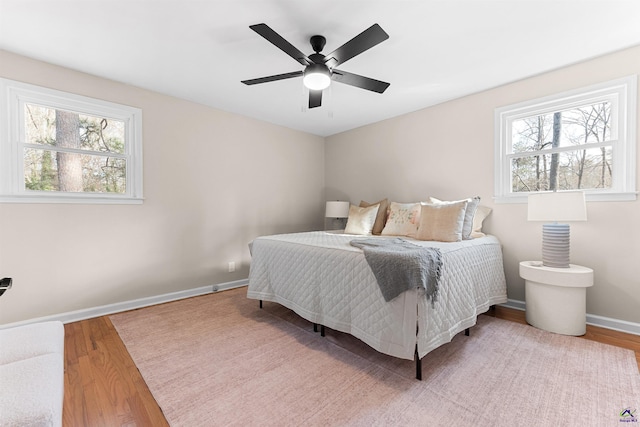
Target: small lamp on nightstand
x,y
337,211
554,207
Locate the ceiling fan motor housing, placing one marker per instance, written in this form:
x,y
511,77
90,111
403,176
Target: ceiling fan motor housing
x,y
317,58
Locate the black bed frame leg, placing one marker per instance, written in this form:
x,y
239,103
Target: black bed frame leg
x,y
321,330
418,367
466,332
260,303
315,327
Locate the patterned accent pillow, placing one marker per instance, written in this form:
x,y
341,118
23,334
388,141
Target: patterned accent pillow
x,y
403,220
361,220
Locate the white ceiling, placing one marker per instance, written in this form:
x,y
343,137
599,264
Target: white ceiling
x,y
200,50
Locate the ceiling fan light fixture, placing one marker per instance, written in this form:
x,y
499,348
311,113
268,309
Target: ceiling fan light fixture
x,y
317,77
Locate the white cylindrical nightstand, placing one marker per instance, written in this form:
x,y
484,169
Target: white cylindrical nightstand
x,y
556,298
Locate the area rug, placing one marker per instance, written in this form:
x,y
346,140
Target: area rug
x,y
219,359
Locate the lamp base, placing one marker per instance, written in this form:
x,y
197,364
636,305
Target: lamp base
x,y
332,224
555,245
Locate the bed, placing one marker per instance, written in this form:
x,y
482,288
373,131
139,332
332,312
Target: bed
x,y
324,279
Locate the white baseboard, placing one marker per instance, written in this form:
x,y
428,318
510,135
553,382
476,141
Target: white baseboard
x,y
103,310
615,324
592,319
515,304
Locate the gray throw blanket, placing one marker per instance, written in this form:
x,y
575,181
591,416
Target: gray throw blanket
x,y
399,265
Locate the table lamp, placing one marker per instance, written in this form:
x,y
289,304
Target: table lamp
x,y
337,210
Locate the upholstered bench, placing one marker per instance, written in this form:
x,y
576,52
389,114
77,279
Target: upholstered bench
x,y
32,375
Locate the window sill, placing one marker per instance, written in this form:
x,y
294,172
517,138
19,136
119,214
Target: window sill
x,y
590,197
83,199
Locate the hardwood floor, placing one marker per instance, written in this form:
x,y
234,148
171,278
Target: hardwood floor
x,y
103,387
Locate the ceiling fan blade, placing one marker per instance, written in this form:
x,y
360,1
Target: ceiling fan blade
x,y
273,78
359,81
363,41
277,40
315,98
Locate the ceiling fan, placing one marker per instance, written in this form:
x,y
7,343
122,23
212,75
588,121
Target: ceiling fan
x,y
320,69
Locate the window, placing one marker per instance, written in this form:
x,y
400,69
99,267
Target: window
x,y
64,148
579,140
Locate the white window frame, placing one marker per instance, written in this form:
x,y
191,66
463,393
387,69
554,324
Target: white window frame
x,y
622,93
14,95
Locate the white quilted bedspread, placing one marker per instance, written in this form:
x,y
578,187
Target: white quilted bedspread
x,y
324,279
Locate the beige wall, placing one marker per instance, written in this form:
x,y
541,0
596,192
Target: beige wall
x,y
215,180
212,182
446,151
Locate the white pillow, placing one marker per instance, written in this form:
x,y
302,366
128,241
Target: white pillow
x,y
382,214
442,222
481,213
361,220
403,220
472,206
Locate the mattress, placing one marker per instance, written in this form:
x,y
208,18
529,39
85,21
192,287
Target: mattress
x,y
325,280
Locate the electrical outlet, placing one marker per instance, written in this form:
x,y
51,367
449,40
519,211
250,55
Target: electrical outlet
x,y
232,266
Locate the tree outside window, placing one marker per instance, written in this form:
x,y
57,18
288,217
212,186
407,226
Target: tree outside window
x,y
564,150
67,151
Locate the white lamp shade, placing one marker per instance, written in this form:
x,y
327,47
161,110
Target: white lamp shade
x,y
557,206
337,209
